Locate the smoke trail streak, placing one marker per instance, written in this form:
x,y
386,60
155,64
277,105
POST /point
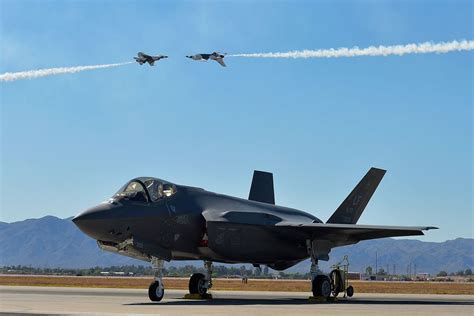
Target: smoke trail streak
x,y
400,50
31,74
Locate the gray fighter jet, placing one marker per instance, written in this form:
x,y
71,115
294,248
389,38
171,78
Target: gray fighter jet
x,y
144,58
156,221
214,56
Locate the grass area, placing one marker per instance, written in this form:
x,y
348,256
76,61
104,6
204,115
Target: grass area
x,y
237,285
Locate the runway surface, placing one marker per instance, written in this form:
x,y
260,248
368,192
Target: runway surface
x,y
21,300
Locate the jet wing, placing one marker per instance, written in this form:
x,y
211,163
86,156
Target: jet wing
x,y
142,55
340,234
221,62
352,232
235,226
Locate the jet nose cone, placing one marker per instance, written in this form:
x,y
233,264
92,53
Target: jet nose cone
x,y
94,221
79,219
91,213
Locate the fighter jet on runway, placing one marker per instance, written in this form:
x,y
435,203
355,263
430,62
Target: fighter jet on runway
x,y
155,220
144,58
214,56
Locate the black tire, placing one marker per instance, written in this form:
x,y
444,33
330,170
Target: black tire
x,y
321,286
337,282
196,284
155,292
350,291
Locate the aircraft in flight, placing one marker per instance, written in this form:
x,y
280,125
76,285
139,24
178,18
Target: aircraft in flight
x,y
155,220
144,58
214,56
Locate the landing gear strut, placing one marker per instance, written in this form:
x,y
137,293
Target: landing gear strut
x,y
320,283
156,291
200,283
323,286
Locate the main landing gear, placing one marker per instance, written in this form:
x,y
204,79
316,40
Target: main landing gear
x,y
200,283
156,291
320,283
328,287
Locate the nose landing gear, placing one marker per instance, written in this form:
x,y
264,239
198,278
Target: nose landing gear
x,y
156,291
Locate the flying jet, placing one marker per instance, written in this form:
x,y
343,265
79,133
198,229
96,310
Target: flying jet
x,y
144,58
155,220
214,56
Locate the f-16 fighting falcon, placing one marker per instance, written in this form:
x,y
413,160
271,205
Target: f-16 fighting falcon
x,y
155,220
144,58
214,56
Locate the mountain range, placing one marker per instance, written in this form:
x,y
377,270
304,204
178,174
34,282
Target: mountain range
x,y
53,242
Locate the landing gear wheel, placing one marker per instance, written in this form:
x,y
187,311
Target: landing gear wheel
x,y
321,286
337,282
156,291
196,284
350,291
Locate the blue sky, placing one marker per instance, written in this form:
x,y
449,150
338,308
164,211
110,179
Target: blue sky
x,y
70,141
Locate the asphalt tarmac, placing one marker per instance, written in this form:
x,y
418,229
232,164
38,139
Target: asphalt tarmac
x,y
22,300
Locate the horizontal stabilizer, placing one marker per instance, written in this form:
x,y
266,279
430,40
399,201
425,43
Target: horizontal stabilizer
x,y
351,209
261,189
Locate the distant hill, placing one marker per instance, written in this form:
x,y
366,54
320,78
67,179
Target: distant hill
x,y
55,242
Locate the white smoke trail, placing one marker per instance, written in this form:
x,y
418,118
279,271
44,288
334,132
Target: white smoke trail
x,y
420,48
31,74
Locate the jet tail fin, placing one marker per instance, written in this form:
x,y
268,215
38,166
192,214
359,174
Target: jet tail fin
x,y
351,209
261,189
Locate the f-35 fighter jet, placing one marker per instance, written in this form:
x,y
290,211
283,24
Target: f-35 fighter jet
x,y
214,56
144,58
155,220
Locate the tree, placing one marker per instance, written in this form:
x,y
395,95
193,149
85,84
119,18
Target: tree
x,y
368,270
468,272
442,273
460,273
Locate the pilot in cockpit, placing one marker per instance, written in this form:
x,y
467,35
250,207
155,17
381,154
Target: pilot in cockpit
x,y
137,190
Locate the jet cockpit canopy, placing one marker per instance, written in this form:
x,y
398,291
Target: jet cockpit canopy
x,y
145,189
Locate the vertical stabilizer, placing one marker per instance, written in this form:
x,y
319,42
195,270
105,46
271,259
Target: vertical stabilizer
x,y
261,189
351,209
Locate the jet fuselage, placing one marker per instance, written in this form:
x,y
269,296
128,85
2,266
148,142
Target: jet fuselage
x,y
151,218
178,223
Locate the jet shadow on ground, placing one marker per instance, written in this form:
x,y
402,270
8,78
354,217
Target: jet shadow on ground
x,y
298,301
